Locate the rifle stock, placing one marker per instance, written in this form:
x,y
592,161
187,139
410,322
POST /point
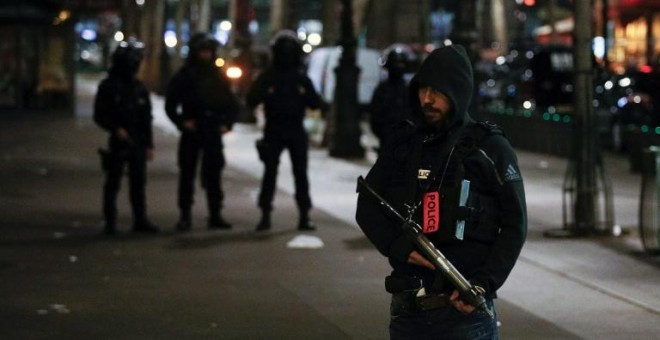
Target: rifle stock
x,y
413,231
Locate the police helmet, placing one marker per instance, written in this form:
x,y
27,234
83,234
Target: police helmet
x,y
287,50
202,41
127,56
397,57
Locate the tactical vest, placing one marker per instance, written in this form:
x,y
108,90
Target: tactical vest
x,y
480,213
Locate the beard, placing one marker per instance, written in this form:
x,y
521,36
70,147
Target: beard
x,y
430,109
434,121
433,115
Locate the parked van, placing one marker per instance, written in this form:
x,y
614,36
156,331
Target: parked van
x,y
321,70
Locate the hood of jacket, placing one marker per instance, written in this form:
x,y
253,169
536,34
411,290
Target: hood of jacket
x,y
447,70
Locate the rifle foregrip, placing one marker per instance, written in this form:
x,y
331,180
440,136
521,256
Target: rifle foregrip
x,y
467,291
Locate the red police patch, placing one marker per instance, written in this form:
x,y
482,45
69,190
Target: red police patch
x,y
431,218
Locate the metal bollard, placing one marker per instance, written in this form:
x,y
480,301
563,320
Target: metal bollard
x,y
649,205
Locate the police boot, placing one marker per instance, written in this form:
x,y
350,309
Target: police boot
x,y
110,228
185,223
144,226
304,223
110,215
217,222
264,224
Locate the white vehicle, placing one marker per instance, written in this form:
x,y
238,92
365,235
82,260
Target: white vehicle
x,y
321,70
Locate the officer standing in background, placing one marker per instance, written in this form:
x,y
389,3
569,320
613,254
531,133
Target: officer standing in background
x,y
285,92
122,107
421,171
200,103
389,103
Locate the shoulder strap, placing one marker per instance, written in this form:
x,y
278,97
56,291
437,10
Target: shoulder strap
x,y
486,128
470,139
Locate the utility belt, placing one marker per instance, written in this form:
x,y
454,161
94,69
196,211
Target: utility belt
x,y
410,293
110,157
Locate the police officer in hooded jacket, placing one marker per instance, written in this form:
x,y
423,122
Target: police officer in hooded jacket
x,y
122,108
424,162
285,93
200,103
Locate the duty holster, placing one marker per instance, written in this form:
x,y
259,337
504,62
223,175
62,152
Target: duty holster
x,y
106,159
260,144
109,157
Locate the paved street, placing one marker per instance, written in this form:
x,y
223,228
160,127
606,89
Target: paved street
x,y
61,279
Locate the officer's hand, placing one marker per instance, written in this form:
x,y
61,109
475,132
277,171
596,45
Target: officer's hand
x,y
417,259
122,134
150,154
189,125
224,129
459,304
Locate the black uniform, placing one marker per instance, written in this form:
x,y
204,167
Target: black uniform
x,y
200,92
122,102
454,149
389,103
285,92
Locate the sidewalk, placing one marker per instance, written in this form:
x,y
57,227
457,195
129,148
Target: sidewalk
x,y
60,279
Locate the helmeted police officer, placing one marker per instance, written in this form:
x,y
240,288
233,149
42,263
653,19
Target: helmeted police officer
x,y
122,107
285,92
424,170
200,103
389,103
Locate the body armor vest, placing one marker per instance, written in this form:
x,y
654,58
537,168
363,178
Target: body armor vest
x,y
448,172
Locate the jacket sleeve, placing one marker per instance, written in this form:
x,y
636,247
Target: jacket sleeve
x,y
376,223
148,119
312,99
104,115
510,195
174,99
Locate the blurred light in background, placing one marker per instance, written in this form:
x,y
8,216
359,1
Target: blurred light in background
x,y
225,25
88,34
625,82
234,72
314,39
222,32
170,39
302,34
599,47
62,16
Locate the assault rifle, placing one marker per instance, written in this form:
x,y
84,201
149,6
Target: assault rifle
x,y
468,293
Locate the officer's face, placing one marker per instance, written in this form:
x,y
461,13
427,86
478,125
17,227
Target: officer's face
x,y
435,105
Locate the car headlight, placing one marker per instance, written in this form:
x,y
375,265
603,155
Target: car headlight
x,y
234,72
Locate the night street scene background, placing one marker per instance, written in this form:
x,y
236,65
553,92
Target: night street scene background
x,y
575,86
